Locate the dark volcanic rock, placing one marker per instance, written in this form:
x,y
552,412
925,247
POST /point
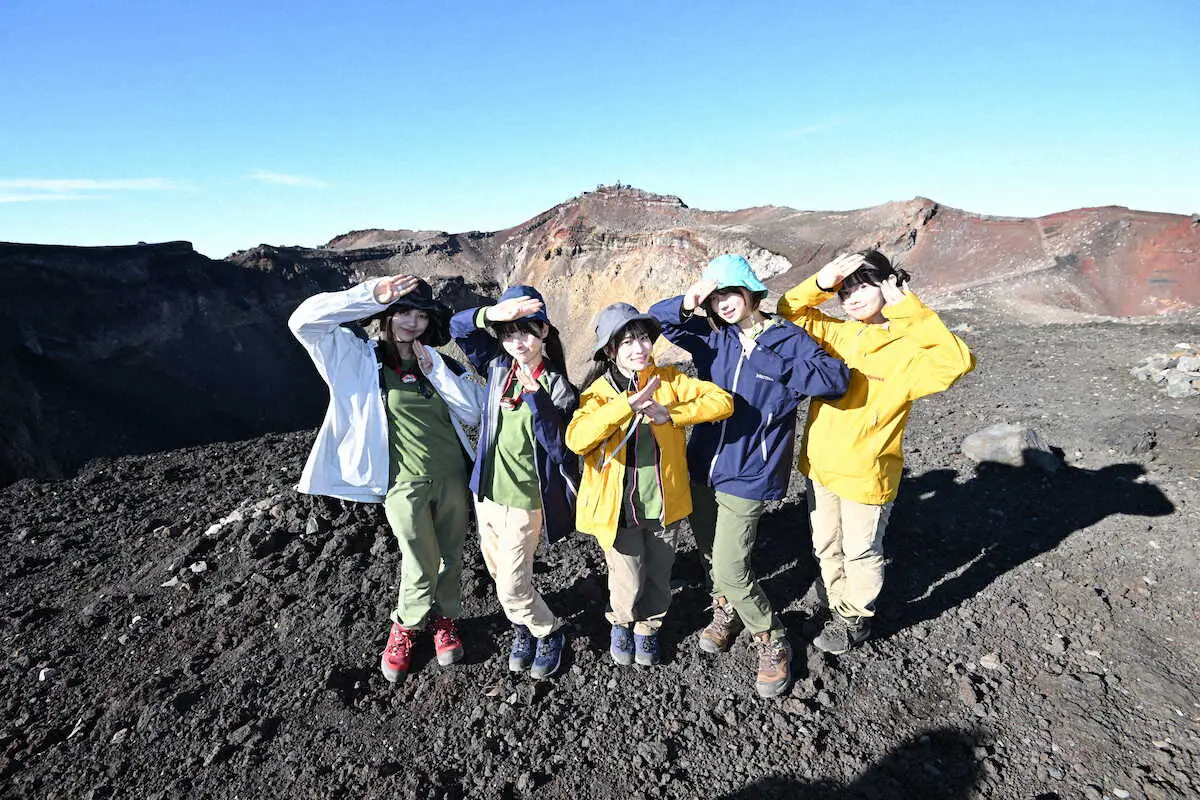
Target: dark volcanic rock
x,y
1036,634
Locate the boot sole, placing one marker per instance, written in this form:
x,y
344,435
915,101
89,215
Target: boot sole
x,y
709,646
542,674
450,657
768,691
391,675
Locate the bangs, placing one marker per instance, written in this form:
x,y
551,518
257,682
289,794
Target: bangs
x,y
518,326
636,328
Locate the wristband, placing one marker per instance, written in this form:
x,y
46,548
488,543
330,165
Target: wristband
x,y
817,283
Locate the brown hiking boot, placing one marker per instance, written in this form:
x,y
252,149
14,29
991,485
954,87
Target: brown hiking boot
x,y
774,665
724,628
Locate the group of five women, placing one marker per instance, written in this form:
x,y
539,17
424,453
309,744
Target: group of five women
x,y
395,433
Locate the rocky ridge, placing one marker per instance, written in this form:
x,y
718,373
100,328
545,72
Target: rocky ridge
x,y
131,349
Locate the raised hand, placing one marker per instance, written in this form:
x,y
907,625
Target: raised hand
x,y
424,360
656,412
513,308
639,398
832,274
893,291
389,290
525,376
694,295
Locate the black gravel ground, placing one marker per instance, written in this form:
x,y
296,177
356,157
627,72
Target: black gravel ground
x,y
185,625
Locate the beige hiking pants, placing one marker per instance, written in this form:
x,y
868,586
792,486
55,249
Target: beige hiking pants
x,y
508,538
848,543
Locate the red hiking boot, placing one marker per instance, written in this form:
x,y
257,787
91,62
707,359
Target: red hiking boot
x,y
446,643
398,653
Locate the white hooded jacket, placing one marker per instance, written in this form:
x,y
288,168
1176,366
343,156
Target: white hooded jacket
x,y
349,458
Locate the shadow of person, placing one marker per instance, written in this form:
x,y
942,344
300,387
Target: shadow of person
x,y
937,765
947,541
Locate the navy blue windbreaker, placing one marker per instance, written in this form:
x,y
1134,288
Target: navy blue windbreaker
x,y
750,454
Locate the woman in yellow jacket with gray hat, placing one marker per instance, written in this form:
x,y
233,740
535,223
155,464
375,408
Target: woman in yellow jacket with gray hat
x,y
635,492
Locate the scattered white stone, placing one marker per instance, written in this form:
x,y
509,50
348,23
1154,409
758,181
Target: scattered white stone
x,y
1006,443
119,736
137,620
47,673
199,567
991,661
170,583
1121,793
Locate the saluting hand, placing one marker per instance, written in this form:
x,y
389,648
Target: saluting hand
x,y
513,308
832,274
389,290
694,295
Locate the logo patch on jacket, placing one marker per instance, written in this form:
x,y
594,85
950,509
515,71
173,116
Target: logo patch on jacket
x,y
762,377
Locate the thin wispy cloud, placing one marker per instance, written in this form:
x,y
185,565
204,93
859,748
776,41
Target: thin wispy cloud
x,y
41,190
815,128
284,179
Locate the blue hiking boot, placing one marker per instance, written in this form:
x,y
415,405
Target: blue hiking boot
x,y
549,655
647,649
521,654
621,645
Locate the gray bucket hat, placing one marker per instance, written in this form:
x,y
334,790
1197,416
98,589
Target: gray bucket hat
x,y
612,319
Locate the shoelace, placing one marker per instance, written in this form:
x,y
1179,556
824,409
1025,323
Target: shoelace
x,y
399,643
446,630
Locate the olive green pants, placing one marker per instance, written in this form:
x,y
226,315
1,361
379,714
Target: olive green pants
x,y
429,518
726,528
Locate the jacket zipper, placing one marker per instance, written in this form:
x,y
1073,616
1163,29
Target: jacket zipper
x,y
763,443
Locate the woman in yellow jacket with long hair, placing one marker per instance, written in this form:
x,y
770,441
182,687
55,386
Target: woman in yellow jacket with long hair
x,y
897,350
635,490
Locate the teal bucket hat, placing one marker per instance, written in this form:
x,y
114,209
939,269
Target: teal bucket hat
x,y
733,270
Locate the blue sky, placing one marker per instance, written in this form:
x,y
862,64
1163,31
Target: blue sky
x,y
229,124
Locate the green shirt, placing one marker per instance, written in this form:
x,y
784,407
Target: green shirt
x,y
513,479
643,495
422,442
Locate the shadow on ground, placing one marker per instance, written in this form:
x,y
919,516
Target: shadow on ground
x,y
937,765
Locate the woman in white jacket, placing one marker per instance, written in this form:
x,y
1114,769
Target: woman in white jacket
x,y
393,434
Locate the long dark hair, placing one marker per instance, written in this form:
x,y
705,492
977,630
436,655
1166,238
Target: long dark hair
x,y
387,343
602,362
875,270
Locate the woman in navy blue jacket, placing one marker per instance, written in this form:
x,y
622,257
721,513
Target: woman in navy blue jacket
x,y
524,478
769,365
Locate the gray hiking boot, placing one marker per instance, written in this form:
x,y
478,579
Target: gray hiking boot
x,y
841,634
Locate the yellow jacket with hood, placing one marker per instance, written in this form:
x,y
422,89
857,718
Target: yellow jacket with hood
x,y
597,432
853,445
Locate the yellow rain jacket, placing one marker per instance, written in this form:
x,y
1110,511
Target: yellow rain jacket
x,y
853,445
599,426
